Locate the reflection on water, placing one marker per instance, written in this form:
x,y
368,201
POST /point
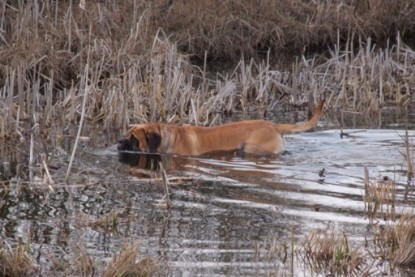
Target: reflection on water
x,y
142,161
224,208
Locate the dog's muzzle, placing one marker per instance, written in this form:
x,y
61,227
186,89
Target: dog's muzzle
x,y
128,144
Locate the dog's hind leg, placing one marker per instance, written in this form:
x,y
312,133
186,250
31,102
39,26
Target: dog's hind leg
x,y
265,143
256,150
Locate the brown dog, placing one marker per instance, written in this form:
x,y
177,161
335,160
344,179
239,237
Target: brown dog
x,y
250,136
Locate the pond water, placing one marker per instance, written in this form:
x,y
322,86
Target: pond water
x,y
225,210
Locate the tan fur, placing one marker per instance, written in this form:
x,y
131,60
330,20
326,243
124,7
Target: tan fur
x,y
250,136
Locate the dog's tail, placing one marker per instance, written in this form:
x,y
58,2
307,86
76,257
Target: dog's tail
x,y
295,128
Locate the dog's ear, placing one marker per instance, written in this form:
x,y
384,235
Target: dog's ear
x,y
145,137
153,141
134,143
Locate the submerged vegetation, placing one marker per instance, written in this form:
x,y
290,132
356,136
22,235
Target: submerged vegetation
x,y
109,64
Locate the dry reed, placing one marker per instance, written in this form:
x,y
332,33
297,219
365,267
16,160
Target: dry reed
x,y
84,264
149,72
127,263
408,156
113,63
15,261
395,242
379,198
107,223
328,252
165,201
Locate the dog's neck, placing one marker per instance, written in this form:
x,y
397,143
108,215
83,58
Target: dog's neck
x,y
168,138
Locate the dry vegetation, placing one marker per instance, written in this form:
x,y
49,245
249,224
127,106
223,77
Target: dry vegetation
x,y
135,61
15,261
391,242
114,63
127,263
395,242
379,198
328,252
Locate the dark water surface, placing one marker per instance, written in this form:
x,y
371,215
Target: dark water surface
x,y
226,211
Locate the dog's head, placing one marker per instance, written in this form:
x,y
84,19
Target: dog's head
x,y
144,138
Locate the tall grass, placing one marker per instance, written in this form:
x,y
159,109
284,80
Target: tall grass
x,y
114,63
328,252
395,242
379,198
148,60
15,261
129,263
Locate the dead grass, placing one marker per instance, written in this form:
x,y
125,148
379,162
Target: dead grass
x,y
407,153
127,263
83,263
15,261
79,262
379,198
108,222
395,242
328,252
273,249
54,55
227,30
115,63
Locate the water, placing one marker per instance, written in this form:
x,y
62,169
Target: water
x,y
225,209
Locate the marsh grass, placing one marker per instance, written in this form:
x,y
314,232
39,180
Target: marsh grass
x,y
407,153
275,251
15,261
166,200
328,252
115,63
379,198
150,71
83,262
58,263
108,222
129,263
395,242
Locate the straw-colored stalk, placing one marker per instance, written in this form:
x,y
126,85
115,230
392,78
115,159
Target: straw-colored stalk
x,y
108,222
326,251
408,155
84,263
379,196
166,201
395,241
128,263
15,261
